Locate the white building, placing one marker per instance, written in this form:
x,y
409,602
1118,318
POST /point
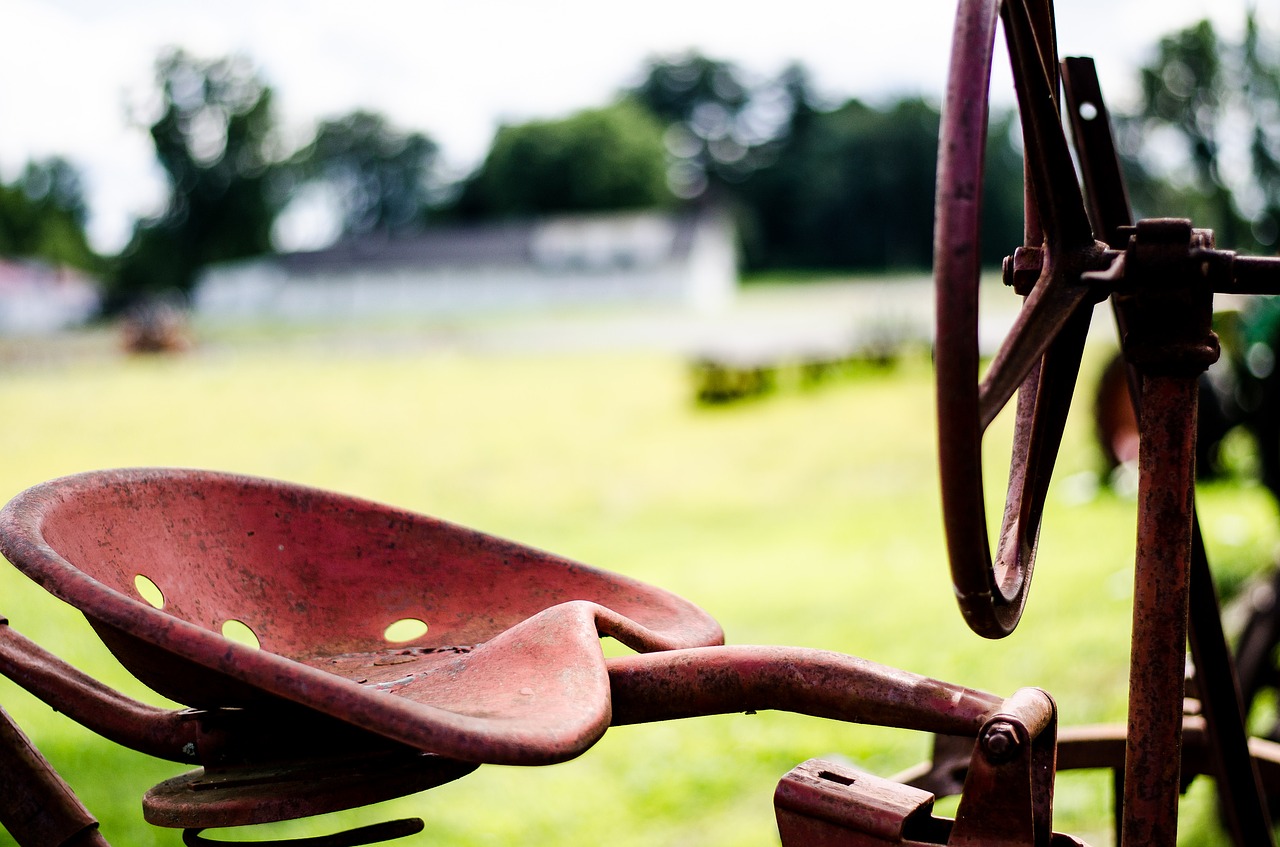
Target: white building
x,y
644,257
36,297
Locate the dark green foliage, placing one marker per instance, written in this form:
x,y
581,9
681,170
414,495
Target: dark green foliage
x,y
677,90
1003,202
853,188
1260,64
1196,86
384,179
42,216
595,160
1183,89
814,188
712,128
212,137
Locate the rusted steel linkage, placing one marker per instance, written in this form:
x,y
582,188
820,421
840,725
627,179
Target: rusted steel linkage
x,y
37,807
1163,285
1242,802
260,765
1161,585
720,680
1007,799
163,733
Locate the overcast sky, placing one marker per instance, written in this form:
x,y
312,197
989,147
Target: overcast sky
x,y
455,69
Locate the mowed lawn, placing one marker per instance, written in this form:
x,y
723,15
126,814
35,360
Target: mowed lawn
x,y
807,518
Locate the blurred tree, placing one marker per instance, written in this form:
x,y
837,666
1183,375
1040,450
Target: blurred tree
x,y
42,216
1003,203
1183,90
1219,102
212,134
853,188
693,88
597,159
1260,66
844,188
712,126
382,178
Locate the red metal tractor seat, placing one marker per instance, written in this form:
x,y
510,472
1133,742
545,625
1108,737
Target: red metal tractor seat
x,y
335,652
442,638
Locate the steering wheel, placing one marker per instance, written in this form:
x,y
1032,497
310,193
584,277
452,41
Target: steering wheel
x,y
1040,358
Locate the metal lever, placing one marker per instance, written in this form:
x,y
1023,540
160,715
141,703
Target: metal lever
x,y
1007,799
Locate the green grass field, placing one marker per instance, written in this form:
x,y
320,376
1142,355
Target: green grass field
x,y
807,518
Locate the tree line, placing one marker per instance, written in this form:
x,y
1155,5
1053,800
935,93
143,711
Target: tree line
x,y
813,185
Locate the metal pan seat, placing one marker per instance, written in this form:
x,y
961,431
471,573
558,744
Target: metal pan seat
x,y
509,670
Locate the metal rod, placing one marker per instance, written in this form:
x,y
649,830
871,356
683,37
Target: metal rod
x,y
1255,275
1240,795
1166,464
37,807
1105,187
163,733
649,687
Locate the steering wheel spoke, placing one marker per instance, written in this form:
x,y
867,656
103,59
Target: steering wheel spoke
x,y
1044,314
1042,415
1055,190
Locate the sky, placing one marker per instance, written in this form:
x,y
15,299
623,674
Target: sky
x,y
71,71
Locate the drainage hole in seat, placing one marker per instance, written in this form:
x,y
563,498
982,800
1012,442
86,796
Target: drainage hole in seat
x,y
149,591
405,629
240,633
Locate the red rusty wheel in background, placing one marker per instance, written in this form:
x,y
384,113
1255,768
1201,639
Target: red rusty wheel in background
x,y
1040,358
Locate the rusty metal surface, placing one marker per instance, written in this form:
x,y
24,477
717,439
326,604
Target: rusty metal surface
x,y
510,670
87,538
1161,276
361,835
1008,791
956,258
37,807
279,791
213,544
722,680
1161,585
1101,746
1167,301
261,766
827,804
1241,799
163,733
1041,355
1105,188
506,665
1007,800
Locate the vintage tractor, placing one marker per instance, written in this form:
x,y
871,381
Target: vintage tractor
x,y
177,570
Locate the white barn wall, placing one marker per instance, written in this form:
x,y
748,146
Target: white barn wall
x,y
586,260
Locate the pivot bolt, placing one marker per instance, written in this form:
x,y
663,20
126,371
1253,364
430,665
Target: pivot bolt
x,y
1000,742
